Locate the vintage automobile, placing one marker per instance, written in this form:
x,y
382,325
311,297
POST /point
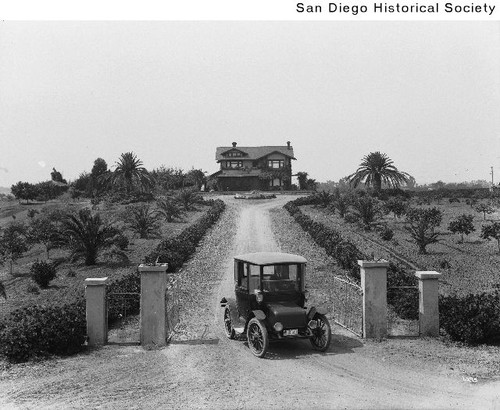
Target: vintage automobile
x,y
269,303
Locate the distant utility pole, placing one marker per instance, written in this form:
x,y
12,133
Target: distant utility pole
x,y
492,183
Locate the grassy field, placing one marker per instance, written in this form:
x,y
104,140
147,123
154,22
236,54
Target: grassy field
x,y
21,290
468,267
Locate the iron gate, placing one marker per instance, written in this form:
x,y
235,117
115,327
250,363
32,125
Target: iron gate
x,y
402,311
123,317
172,306
348,305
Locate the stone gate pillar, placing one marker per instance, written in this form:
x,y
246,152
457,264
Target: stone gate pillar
x,y
428,309
374,285
96,311
153,287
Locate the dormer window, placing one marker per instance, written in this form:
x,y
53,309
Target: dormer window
x,y
234,154
275,163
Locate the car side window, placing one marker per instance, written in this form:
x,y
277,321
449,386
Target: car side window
x,y
243,275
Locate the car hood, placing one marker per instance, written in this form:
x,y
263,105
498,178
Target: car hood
x,y
288,313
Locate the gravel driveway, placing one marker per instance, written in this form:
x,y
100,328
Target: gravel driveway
x,y
202,369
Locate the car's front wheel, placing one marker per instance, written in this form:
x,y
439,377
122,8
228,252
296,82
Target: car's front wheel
x,y
258,339
228,325
322,334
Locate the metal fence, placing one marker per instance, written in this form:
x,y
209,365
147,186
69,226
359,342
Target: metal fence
x,y
172,306
348,305
402,311
123,317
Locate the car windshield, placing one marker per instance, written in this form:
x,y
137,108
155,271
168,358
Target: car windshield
x,y
281,278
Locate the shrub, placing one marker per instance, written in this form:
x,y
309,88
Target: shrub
x,y
42,273
386,233
188,197
142,220
351,218
169,209
38,331
367,210
471,319
32,288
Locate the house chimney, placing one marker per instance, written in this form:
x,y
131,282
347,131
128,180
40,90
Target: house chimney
x,y
234,144
288,144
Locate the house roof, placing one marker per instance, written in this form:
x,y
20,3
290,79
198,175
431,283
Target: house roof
x,y
254,152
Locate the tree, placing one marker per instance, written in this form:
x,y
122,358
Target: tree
x,y
421,224
100,168
397,206
24,190
130,173
86,235
57,176
462,224
13,242
377,168
169,208
142,220
196,177
341,201
302,180
485,209
491,231
45,229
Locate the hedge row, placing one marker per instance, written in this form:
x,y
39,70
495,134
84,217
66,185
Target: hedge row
x,y
471,319
38,331
177,250
347,255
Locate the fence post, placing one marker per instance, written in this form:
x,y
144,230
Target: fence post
x,y
374,285
96,311
153,287
428,309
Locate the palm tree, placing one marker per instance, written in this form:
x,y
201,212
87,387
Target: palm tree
x,y
129,172
87,235
377,168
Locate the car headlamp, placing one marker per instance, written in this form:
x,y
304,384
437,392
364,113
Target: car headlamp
x,y
278,326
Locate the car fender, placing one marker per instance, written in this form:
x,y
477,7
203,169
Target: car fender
x,y
313,311
259,314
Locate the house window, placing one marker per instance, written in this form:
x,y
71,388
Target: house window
x,y
234,164
275,163
275,182
234,154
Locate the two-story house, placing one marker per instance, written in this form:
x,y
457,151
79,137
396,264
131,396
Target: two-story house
x,y
251,168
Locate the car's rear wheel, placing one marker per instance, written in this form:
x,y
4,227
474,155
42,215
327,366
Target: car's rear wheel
x,y
322,334
228,325
258,339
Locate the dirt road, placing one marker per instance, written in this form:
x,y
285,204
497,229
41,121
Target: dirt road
x,y
202,369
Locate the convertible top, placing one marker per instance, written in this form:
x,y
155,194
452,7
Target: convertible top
x,y
270,258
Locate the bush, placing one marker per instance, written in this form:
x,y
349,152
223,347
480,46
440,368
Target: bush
x,y
42,273
421,224
32,288
471,319
386,233
38,331
177,250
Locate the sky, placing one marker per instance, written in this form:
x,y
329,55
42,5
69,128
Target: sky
x,y
425,93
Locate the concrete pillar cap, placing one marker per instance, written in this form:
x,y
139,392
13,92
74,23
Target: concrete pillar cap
x,y
427,274
161,267
382,263
96,281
